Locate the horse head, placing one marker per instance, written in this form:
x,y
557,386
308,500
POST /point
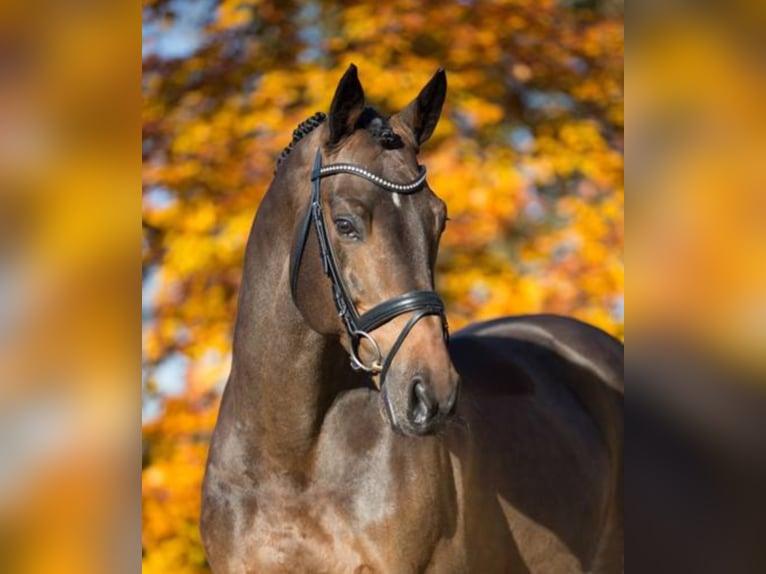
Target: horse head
x,y
366,272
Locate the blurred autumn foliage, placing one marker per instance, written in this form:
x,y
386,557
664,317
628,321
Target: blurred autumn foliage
x,y
528,156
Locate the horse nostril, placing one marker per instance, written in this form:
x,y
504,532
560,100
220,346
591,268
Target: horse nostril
x,y
423,406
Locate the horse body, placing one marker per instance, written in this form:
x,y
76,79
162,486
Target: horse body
x,y
520,483
307,471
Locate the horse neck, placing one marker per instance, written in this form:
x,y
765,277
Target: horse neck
x,y
284,375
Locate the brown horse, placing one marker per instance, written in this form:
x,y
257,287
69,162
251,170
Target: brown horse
x,y
318,465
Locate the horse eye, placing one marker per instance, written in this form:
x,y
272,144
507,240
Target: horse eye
x,y
346,227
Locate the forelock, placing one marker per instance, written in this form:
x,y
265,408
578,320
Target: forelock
x,y
379,128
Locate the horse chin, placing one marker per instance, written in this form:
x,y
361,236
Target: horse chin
x,y
416,431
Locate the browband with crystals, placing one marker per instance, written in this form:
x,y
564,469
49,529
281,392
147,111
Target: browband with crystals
x,y
334,168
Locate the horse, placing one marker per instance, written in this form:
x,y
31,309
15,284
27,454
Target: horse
x,y
354,433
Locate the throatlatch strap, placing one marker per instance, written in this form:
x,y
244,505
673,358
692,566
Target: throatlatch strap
x,y
297,256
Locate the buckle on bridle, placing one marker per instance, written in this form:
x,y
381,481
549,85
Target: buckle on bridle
x,y
356,363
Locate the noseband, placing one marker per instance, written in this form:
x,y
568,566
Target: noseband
x,y
358,327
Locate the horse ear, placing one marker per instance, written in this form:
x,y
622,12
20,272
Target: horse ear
x,y
422,114
347,105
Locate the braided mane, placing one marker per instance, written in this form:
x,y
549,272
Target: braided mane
x,y
304,128
372,121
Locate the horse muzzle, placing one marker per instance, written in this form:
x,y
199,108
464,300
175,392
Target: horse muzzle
x,y
417,407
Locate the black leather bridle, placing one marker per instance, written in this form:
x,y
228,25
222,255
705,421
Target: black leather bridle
x,y
358,327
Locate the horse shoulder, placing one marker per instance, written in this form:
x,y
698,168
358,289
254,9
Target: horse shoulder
x,y
276,525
